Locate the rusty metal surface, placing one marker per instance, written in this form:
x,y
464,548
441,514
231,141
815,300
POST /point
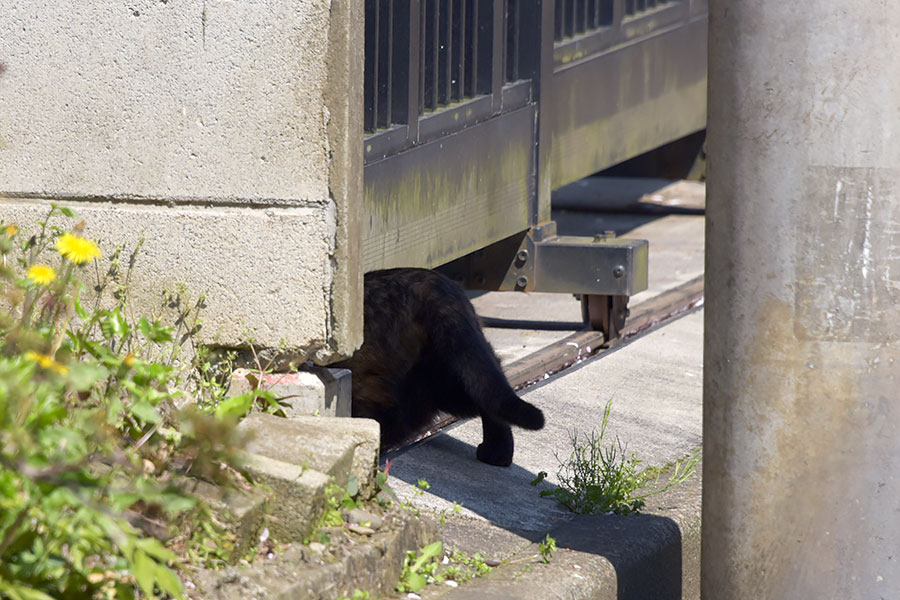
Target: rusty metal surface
x,y
438,201
628,100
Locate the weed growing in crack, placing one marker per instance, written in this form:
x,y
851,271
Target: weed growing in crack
x,y
602,478
431,565
547,548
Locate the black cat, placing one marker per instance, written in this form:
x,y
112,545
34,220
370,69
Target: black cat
x,y
424,352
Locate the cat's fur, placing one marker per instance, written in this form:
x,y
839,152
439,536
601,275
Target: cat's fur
x,y
424,352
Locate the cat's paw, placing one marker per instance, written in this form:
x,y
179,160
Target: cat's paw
x,y
497,456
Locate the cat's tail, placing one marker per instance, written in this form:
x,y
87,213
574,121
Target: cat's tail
x,y
515,411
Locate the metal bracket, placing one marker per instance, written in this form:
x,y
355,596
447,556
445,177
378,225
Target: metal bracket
x,y
603,270
539,260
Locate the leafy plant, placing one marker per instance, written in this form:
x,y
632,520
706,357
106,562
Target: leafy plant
x,y
336,499
91,504
547,548
415,568
601,478
470,566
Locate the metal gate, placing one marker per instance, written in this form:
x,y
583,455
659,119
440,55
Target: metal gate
x,y
476,109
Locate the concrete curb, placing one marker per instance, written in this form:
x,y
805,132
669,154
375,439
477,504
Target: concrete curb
x,y
652,555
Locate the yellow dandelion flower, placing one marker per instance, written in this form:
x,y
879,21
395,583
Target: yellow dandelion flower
x,y
128,360
77,249
41,274
10,230
46,362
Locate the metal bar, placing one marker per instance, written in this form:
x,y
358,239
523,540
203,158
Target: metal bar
x,y
573,17
618,14
543,78
461,80
473,70
436,53
390,63
445,51
454,118
369,85
376,83
498,72
516,22
414,74
801,411
422,61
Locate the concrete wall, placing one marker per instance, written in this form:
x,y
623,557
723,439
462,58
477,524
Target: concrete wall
x,y
225,133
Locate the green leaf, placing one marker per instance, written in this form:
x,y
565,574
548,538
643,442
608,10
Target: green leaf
x,y
540,477
155,332
352,486
16,592
155,548
169,582
64,210
144,327
176,503
122,500
144,571
145,411
79,310
236,406
113,326
415,582
427,553
83,375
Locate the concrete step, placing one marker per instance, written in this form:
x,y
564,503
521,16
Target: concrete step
x,y
242,512
337,447
324,571
298,457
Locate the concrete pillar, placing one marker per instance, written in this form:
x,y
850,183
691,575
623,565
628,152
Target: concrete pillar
x,y
801,494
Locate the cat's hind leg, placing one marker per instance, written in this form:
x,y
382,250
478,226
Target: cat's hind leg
x,y
497,445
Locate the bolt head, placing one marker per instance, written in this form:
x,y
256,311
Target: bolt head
x,y
619,272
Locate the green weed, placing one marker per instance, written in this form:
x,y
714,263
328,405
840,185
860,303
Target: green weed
x,y
547,548
417,567
91,446
601,478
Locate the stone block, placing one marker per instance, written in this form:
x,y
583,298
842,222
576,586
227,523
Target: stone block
x,y
242,512
294,442
263,274
298,495
321,443
320,391
189,100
